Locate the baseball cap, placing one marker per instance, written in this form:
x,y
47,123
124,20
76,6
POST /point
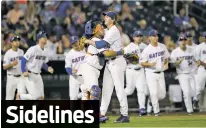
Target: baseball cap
x,y
111,14
182,37
73,39
137,33
15,38
40,35
153,33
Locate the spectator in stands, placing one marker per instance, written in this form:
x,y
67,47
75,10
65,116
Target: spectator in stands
x,y
169,43
53,46
125,38
145,30
78,17
30,12
14,14
126,13
33,31
21,26
69,27
182,20
66,43
47,13
62,7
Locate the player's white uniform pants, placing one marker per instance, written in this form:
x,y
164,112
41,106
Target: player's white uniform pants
x,y
136,78
157,89
114,77
12,84
200,80
34,86
75,82
187,83
90,76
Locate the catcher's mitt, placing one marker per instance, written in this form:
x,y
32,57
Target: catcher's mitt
x,y
131,58
81,42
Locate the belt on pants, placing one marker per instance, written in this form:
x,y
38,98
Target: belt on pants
x,y
136,69
33,72
158,72
14,75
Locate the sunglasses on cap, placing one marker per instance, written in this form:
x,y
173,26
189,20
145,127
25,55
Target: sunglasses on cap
x,y
15,38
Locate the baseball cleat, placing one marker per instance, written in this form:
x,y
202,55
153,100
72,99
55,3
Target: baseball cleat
x,y
195,105
158,114
103,119
189,113
142,112
123,119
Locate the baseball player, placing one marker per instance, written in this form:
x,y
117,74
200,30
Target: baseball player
x,y
155,60
135,75
31,64
114,70
200,56
74,58
183,59
190,44
11,63
95,59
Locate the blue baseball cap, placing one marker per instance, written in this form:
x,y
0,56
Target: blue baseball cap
x,y
73,39
204,34
182,37
111,14
153,33
137,33
15,38
40,35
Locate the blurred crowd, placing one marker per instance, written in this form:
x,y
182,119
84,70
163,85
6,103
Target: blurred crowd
x,y
62,19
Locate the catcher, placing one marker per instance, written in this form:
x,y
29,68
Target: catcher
x,y
135,76
95,58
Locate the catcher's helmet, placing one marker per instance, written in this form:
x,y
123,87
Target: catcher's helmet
x,y
90,28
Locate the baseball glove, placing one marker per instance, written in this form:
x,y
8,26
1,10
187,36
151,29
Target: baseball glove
x,y
131,58
81,42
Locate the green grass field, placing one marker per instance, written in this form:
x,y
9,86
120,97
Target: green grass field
x,y
166,120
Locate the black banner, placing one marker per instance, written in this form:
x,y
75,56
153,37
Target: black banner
x,y
51,113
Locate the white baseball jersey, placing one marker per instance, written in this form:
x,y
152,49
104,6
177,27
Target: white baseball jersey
x,y
112,36
9,57
74,59
35,57
155,54
135,49
93,60
200,52
187,62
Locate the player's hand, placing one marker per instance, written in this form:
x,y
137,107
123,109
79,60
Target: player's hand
x,y
74,71
51,70
15,63
152,64
180,60
25,74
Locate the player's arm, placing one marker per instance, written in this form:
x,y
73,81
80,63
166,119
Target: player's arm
x,y
68,66
46,67
98,44
6,64
144,60
110,53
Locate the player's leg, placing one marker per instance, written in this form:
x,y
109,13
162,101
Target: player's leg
x,y
130,81
200,80
153,90
161,87
90,76
140,85
73,88
11,86
107,91
185,86
117,71
41,87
